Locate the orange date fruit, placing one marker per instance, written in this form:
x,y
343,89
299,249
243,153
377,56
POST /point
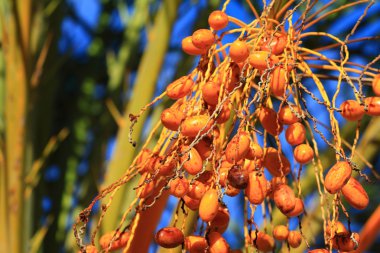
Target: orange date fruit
x,y
221,220
276,163
263,242
352,110
169,237
261,59
217,243
209,205
287,115
203,38
255,152
210,92
204,147
256,190
344,242
297,210
189,48
195,244
218,20
280,232
376,85
180,87
239,51
276,43
90,249
355,194
194,125
232,191
318,251
295,134
278,81
294,239
179,187
192,161
284,198
337,228
269,121
373,104
303,153
337,176
171,118
238,147
196,190
118,239
191,203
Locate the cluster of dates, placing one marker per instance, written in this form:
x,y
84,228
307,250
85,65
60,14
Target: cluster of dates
x,y
209,146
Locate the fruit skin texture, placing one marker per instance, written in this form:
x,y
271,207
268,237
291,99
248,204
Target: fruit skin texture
x,y
303,153
337,177
255,152
373,106
224,114
278,81
352,110
268,119
239,51
191,203
280,232
284,198
91,249
318,251
286,115
218,20
204,147
277,44
294,239
217,243
256,190
376,85
179,187
209,205
117,244
210,92
169,237
264,242
238,147
221,221
258,60
232,191
197,190
203,38
238,177
147,161
191,126
195,244
171,118
295,134
274,164
297,210
343,242
192,161
165,168
355,194
189,48
336,229
180,87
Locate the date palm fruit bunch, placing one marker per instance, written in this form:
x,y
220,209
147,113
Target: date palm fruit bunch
x,y
230,120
